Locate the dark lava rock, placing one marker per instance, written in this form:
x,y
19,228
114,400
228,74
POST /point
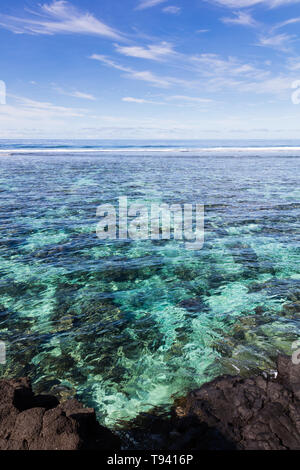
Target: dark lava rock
x,y
40,422
259,413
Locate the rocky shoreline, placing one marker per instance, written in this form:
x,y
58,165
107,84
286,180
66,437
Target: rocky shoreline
x,y
259,413
40,422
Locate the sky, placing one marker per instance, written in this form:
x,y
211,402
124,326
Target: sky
x,y
150,69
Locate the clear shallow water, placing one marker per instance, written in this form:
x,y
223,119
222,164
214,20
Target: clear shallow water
x,y
133,325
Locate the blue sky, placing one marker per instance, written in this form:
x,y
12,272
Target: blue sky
x,y
161,69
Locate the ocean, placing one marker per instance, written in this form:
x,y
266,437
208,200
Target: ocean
x,y
131,325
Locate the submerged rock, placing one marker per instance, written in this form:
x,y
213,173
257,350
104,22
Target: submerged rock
x,y
193,305
291,310
40,422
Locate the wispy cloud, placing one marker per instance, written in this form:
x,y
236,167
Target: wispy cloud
x,y
153,52
143,4
150,77
38,109
179,100
268,36
56,18
212,73
76,94
287,23
129,99
293,63
213,65
110,63
274,86
190,99
85,96
241,18
143,75
276,41
173,10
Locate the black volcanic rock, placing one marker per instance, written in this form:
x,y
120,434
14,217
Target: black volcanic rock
x,y
259,413
29,422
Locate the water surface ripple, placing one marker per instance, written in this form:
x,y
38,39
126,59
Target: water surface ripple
x,y
133,325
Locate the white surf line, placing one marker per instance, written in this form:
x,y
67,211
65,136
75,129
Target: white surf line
x,y
146,149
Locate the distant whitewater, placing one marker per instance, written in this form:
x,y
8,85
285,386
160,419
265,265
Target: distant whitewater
x,y
197,147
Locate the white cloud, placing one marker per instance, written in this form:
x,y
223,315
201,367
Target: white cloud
x,y
293,63
85,96
189,99
110,63
241,18
37,110
58,17
144,75
148,4
238,77
153,52
76,94
179,100
148,76
277,41
212,65
211,73
287,23
129,99
276,86
172,10
30,104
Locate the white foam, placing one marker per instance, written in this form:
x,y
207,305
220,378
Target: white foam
x,y
199,150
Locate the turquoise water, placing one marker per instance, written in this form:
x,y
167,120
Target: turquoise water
x,y
133,325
